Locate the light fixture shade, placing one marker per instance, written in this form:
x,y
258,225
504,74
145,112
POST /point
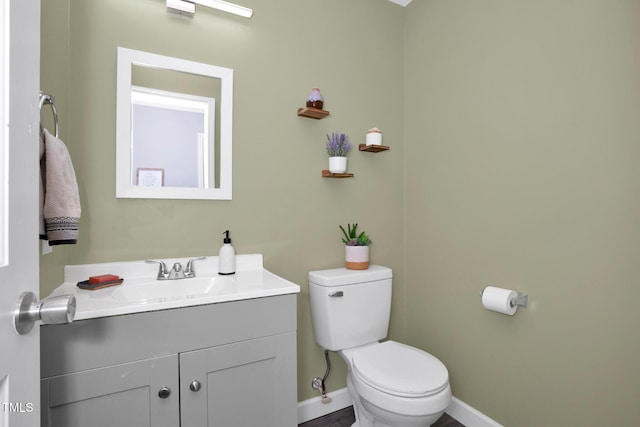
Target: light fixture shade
x,y
181,7
225,6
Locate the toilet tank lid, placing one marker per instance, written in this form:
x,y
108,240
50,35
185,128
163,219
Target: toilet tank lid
x,y
343,276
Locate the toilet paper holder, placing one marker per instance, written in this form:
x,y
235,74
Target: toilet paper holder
x,y
522,300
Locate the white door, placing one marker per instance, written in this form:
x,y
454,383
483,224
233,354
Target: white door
x,y
19,119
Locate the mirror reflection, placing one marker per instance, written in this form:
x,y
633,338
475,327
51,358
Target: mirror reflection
x,y
173,128
173,133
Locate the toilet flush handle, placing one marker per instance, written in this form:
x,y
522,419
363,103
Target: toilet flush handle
x,y
336,294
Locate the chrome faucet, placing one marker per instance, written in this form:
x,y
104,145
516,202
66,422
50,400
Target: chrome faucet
x,y
162,272
189,271
176,271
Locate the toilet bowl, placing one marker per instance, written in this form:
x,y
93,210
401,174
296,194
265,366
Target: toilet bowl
x,y
397,385
391,384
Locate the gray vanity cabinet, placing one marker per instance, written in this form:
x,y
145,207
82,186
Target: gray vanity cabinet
x,y
121,395
236,385
228,364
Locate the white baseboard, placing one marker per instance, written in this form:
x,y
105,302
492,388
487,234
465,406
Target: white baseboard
x,y
469,416
311,409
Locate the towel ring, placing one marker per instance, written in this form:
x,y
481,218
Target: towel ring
x,y
45,98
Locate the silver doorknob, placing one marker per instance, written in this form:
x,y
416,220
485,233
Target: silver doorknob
x,y
195,385
164,392
52,311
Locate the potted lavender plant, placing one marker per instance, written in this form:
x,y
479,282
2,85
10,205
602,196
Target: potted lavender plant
x,y
338,146
356,247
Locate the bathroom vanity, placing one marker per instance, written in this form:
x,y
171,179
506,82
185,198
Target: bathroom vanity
x,y
223,357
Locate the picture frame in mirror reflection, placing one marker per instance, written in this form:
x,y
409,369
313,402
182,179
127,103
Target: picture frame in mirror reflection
x,y
196,160
150,177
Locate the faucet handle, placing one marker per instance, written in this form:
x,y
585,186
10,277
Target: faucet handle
x,y
162,271
189,271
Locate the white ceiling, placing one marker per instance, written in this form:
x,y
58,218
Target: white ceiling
x,y
401,2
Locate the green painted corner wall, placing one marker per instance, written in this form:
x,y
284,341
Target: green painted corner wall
x,y
281,205
522,145
513,128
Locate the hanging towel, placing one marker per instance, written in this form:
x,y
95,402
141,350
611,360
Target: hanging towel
x,y
43,230
60,198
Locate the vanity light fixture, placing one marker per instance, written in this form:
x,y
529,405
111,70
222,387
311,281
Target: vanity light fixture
x,y
181,7
188,7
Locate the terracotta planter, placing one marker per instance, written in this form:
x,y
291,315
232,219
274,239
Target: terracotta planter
x,y
356,257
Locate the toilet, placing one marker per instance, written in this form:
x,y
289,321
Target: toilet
x,y
391,384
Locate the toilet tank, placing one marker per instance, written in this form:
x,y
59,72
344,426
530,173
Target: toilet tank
x,y
350,308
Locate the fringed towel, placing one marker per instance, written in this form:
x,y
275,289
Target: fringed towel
x,y
43,231
59,197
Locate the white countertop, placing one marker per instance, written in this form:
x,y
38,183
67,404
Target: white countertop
x,y
141,291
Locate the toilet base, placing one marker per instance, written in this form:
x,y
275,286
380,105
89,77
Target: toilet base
x,y
369,415
398,419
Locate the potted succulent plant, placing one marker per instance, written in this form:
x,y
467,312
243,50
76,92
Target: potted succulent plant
x,y
338,146
356,247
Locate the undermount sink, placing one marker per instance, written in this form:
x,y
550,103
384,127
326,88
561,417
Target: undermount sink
x,y
165,290
141,291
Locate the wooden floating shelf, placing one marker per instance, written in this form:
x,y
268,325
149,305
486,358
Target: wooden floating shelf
x,y
327,174
313,113
373,148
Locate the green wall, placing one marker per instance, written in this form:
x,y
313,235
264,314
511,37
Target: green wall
x,y
522,142
281,205
513,128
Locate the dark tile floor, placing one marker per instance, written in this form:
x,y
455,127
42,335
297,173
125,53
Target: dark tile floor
x,y
345,417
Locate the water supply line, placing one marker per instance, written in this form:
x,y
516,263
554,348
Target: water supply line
x,y
318,383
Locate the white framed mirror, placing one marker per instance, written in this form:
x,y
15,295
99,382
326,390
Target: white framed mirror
x,y
173,128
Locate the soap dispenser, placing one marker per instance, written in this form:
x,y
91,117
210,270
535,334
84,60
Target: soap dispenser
x,y
227,257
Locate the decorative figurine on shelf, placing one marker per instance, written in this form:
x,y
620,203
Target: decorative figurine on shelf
x,y
374,137
315,99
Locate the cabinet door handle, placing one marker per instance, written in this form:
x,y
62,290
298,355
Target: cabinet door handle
x,y
164,392
195,385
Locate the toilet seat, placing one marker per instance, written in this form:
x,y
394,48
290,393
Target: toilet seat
x,y
400,370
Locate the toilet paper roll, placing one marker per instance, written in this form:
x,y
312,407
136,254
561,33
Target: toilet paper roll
x,y
500,300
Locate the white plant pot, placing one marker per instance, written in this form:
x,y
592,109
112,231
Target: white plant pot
x,y
337,164
373,138
356,257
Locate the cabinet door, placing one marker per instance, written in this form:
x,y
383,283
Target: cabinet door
x,y
121,395
250,383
